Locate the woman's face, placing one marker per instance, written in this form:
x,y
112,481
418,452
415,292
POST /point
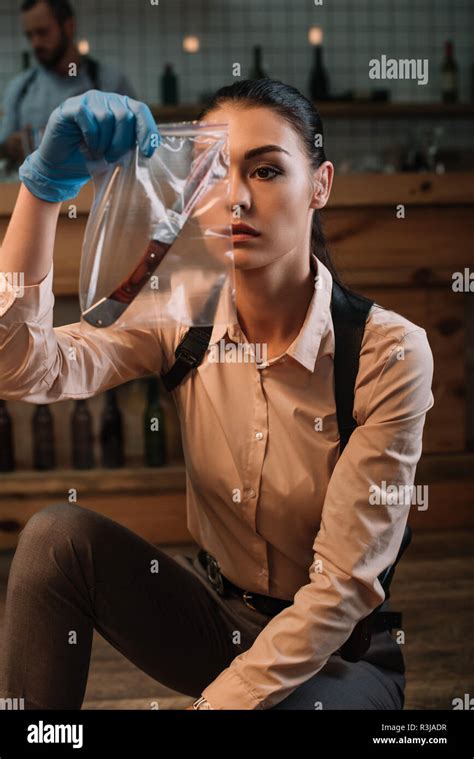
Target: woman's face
x,y
272,186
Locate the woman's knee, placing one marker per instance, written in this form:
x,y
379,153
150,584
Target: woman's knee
x,y
47,537
65,516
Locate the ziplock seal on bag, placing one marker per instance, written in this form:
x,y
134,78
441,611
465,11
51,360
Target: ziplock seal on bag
x,y
157,248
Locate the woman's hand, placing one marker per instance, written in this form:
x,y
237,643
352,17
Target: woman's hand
x,y
86,128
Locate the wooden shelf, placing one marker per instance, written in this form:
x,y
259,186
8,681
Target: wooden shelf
x,y
371,110
424,188
352,109
347,109
132,480
354,189
145,480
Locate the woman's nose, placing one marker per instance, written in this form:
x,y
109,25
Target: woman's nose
x,y
239,195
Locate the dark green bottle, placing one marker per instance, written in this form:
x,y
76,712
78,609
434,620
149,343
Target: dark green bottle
x,y
257,72
154,426
319,79
111,434
43,438
7,458
449,75
169,86
82,437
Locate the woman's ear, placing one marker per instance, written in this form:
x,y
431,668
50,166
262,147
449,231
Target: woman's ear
x,y
322,182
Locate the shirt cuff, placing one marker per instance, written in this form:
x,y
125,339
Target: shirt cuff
x,y
26,300
230,691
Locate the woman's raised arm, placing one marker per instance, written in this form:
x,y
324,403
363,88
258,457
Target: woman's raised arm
x,y
39,363
29,240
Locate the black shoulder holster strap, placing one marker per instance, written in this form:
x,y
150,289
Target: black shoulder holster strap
x,y
189,354
349,313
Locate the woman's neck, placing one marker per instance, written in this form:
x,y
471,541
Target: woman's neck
x,y
272,301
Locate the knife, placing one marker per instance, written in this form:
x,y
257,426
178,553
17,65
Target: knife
x,y
108,309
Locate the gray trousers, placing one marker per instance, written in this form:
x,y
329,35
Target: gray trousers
x,y
75,570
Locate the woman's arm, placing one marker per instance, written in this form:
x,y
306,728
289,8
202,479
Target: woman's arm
x,y
39,363
29,240
359,535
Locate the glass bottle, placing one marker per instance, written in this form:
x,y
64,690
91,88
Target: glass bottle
x,y
7,457
319,79
257,72
154,426
44,456
111,434
169,86
449,75
82,437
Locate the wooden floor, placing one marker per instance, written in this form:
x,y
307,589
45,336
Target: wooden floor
x,y
434,589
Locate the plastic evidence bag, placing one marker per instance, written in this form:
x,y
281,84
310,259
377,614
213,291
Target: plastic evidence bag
x,y
157,248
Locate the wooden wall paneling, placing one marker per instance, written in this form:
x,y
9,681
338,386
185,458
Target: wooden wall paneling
x,y
159,518
372,247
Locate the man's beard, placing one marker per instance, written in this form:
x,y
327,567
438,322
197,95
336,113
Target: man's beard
x,y
56,54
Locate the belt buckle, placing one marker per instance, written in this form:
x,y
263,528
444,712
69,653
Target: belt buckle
x,y
214,575
246,594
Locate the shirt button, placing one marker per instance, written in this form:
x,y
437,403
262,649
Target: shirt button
x,y
258,435
252,493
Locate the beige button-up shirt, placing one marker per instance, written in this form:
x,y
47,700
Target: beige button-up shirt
x,y
267,494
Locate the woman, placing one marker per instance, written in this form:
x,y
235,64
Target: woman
x,y
268,497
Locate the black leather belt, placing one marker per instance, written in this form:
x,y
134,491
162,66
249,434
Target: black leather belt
x,y
381,620
264,604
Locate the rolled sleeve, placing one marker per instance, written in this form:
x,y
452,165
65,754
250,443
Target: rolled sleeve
x,y
359,535
40,363
29,301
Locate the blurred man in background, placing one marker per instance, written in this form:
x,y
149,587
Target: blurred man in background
x,y
31,96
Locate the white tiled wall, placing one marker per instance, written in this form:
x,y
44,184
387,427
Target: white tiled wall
x,y
141,37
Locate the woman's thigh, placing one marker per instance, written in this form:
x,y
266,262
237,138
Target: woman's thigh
x,y
347,686
75,569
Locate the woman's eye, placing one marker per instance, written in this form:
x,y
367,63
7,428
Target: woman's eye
x,y
267,168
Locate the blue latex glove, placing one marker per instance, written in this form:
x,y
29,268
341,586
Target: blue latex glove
x,y
86,128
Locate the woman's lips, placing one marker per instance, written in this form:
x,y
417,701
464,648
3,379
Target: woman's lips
x,y
243,232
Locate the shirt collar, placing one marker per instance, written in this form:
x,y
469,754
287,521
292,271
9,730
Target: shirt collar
x,y
305,347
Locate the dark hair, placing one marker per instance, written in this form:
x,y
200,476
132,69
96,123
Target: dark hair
x,y
62,9
305,119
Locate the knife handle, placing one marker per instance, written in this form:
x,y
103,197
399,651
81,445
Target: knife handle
x,y
130,287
